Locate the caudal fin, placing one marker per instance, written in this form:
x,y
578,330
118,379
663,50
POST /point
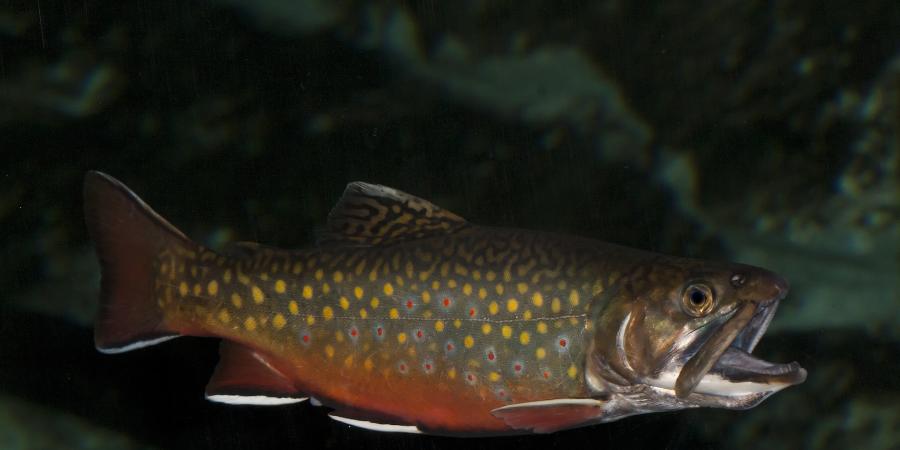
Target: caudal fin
x,y
128,237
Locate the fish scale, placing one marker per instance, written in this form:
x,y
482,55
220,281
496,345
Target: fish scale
x,y
406,317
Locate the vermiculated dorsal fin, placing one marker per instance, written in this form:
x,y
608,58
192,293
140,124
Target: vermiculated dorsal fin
x,y
370,214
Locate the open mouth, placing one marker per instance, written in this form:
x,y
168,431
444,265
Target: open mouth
x,y
724,365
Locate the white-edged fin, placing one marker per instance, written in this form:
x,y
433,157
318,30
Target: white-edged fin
x,y
135,345
258,400
554,402
548,416
314,401
385,427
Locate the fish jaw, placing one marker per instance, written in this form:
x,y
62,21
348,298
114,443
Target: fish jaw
x,y
734,378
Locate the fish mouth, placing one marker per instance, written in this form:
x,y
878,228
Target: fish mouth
x,y
724,365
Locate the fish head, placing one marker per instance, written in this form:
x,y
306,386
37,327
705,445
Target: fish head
x,y
679,333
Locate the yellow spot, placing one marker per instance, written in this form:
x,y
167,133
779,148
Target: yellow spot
x,y
537,299
250,324
374,302
264,276
329,351
494,376
307,292
457,323
293,307
426,297
435,285
363,313
426,314
469,341
451,284
499,288
197,289
482,293
310,319
476,275
542,327
493,308
280,286
358,292
573,297
486,328
224,316
467,289
506,330
368,364
298,266
401,337
388,289
554,305
490,275
540,353
573,371
257,294
243,279
451,374
344,303
522,287
512,305
278,321
507,275
527,314
439,326
348,361
326,288
394,314
319,274
227,276
338,336
236,300
327,313
525,338
338,276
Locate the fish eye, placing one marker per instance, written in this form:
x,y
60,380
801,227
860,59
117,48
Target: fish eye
x,y
698,300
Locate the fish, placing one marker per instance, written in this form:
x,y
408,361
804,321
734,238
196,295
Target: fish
x,y
405,317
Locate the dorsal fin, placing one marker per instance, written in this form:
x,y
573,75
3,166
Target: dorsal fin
x,y
370,214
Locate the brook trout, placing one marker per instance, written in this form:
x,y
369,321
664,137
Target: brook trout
x,y
406,317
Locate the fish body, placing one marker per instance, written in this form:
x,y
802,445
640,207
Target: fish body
x,y
405,317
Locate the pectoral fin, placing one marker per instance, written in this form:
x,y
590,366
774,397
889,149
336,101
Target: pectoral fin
x,y
548,416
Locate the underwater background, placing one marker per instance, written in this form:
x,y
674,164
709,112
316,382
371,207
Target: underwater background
x,y
760,132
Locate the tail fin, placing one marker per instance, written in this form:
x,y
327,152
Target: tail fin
x,y
128,237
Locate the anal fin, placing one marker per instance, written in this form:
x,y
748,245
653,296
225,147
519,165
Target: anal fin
x,y
247,377
547,416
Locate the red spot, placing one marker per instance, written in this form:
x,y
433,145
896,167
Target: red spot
x,y
470,377
501,393
379,331
446,302
562,343
409,304
449,347
517,367
403,367
428,367
546,374
306,338
471,312
353,332
419,334
490,356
